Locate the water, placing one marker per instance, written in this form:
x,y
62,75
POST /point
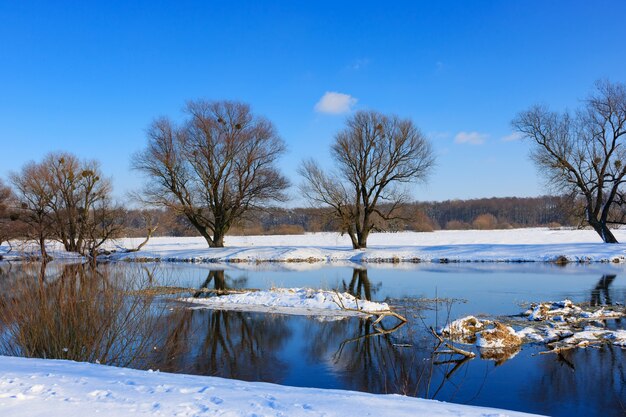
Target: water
x,y
348,354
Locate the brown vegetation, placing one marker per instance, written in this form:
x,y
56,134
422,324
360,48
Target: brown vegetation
x,y
509,211
485,222
68,200
80,314
7,215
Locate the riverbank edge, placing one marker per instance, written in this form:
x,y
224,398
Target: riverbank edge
x,y
56,387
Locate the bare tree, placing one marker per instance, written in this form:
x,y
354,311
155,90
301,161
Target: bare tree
x,y
583,154
215,167
80,196
375,155
7,216
151,224
34,193
105,221
66,199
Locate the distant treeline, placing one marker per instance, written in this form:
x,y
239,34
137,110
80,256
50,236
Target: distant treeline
x,y
502,213
486,213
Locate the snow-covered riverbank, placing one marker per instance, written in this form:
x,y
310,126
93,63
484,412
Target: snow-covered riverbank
x,y
518,245
51,388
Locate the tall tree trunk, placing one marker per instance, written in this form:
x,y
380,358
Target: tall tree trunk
x,y
353,238
42,249
363,239
218,239
603,230
205,234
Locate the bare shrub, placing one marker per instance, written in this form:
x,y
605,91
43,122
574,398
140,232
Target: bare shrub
x,y
485,222
80,314
457,225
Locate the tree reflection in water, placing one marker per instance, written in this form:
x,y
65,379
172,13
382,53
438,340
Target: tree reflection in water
x,y
350,353
220,282
602,289
597,375
601,296
224,343
368,360
360,285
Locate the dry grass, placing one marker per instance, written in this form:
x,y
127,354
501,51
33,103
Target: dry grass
x,y
165,290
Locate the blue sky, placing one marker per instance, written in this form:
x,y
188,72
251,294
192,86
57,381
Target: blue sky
x,y
88,77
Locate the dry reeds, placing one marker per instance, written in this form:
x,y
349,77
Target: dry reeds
x,y
82,314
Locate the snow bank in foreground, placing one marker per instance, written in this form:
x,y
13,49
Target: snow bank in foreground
x,y
52,388
297,301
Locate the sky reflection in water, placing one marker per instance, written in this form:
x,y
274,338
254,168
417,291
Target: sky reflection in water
x,y
348,354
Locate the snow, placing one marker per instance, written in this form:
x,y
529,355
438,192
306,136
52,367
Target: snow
x,y
594,335
562,321
518,245
568,336
567,311
531,333
555,311
296,301
521,245
55,388
499,336
601,314
462,328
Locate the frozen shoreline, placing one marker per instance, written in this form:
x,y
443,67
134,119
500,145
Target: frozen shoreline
x,y
55,388
518,245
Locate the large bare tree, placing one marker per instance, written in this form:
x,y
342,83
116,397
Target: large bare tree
x,y
213,168
584,154
375,156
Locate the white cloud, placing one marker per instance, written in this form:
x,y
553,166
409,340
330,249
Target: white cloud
x,y
471,138
438,135
512,137
335,103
